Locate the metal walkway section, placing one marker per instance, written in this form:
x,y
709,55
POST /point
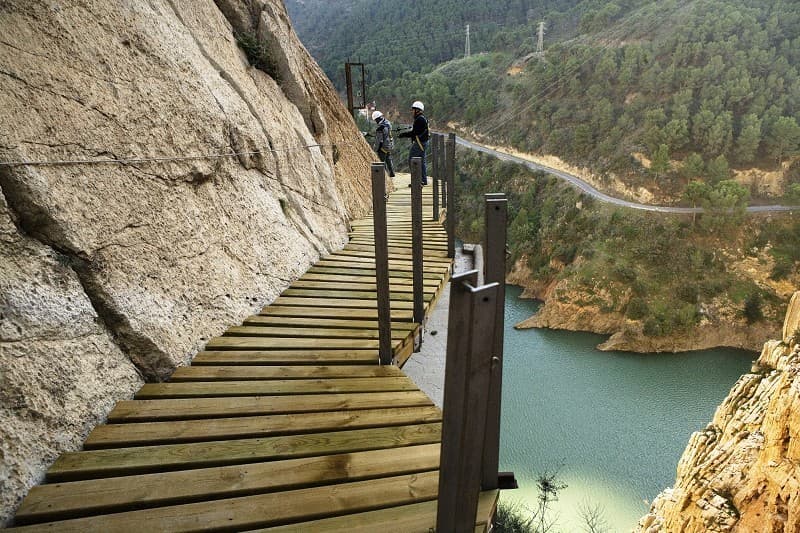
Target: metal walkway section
x,y
284,423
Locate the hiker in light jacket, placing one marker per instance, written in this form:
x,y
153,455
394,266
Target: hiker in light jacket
x,y
384,142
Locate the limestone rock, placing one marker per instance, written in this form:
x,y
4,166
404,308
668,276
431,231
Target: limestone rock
x,y
60,370
121,270
742,473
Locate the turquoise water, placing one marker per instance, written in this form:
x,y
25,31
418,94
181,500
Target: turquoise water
x,y
612,424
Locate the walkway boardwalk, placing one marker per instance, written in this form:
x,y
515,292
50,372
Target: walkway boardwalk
x,y
285,423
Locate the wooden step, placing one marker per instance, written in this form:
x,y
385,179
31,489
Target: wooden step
x,y
111,495
202,408
73,466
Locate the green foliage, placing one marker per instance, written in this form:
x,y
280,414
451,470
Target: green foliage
x,y
792,196
660,163
752,308
668,268
258,54
718,78
783,139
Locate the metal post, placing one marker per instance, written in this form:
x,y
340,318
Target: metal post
x,y
467,377
450,172
437,175
416,238
496,216
442,158
381,263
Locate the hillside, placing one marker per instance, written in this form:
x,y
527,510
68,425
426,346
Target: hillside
x,y
653,282
193,199
654,94
414,36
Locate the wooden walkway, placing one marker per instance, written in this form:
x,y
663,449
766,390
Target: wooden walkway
x,y
285,423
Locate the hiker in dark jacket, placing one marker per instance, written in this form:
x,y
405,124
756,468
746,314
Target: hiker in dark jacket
x,y
384,143
419,135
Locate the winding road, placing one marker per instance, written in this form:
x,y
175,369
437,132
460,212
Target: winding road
x,y
591,191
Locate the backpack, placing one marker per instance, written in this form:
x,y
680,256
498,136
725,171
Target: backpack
x,y
388,139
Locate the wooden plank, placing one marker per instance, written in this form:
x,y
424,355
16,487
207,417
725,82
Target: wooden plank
x,y
332,312
254,343
333,278
149,433
273,387
356,287
73,466
285,357
355,270
261,330
436,263
201,408
343,294
396,250
414,518
336,302
243,373
404,265
261,510
299,322
81,498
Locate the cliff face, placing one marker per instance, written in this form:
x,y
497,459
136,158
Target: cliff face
x,y
115,273
742,473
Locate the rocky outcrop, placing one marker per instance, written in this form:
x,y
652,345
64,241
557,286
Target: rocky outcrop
x,y
198,188
742,473
597,311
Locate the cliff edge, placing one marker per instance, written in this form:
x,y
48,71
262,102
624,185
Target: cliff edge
x,y
742,472
178,189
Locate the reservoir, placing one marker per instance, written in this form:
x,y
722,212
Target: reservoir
x,y
612,424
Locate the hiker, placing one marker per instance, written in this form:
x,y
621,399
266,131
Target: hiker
x,y
384,142
419,135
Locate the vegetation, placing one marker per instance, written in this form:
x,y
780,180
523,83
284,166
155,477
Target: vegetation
x,y
516,518
699,88
661,270
258,54
674,96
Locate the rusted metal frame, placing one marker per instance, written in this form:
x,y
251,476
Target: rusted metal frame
x,y
468,372
450,172
496,220
348,79
416,239
381,263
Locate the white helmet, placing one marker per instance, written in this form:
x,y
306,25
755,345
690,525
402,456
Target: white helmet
x,y
376,115
418,105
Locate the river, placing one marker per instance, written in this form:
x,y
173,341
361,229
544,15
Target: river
x,y
612,424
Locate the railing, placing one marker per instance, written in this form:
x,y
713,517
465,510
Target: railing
x,y
469,458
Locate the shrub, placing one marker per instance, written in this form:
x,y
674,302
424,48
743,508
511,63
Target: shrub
x,y
752,308
637,308
258,54
512,518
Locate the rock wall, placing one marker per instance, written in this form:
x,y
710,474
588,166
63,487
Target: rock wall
x,y
742,473
117,272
